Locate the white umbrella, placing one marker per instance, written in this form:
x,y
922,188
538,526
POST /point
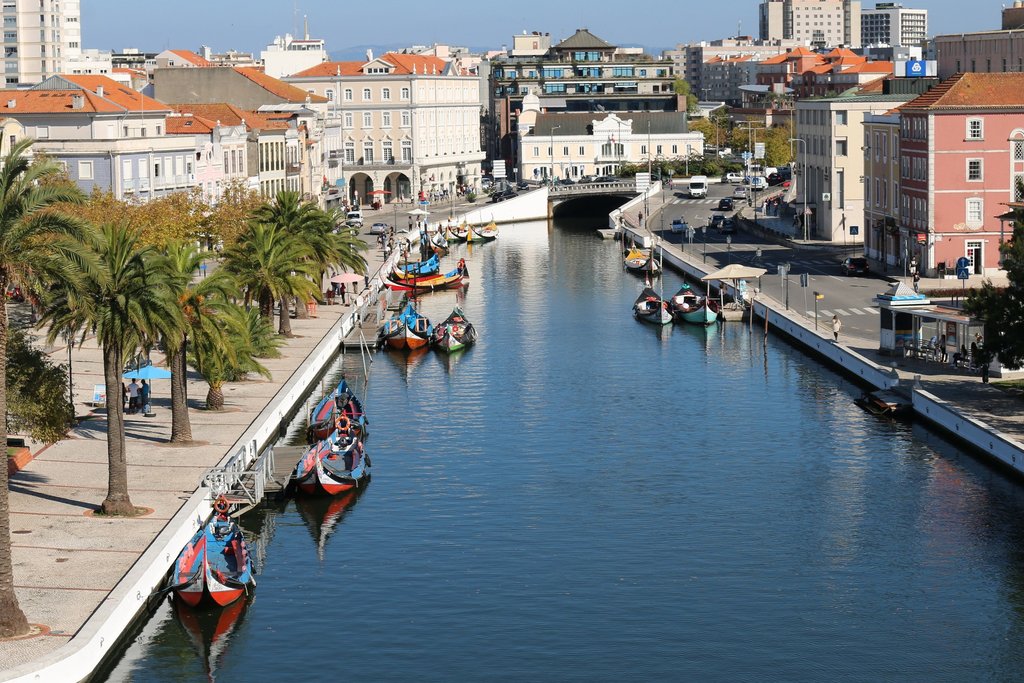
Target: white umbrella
x,y
736,271
418,212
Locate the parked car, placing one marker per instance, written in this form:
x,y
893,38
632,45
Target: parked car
x,y
728,225
503,195
606,179
522,185
854,266
588,179
486,182
379,228
565,181
725,204
759,182
354,218
775,179
734,178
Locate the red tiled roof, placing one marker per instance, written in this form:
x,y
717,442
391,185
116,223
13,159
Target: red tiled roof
x,y
285,91
119,94
871,68
226,114
189,125
403,65
973,91
192,58
328,69
53,102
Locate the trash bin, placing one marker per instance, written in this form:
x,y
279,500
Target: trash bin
x,y
311,308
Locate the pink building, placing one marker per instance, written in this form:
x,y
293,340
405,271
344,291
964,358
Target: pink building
x,y
961,161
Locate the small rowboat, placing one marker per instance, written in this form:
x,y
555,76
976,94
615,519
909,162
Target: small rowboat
x,y
406,330
642,261
454,333
431,266
457,234
486,233
214,566
690,307
650,308
332,466
323,416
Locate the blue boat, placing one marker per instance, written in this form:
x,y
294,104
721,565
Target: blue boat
x,y
432,266
323,417
214,566
407,330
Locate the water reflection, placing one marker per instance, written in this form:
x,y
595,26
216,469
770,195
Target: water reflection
x,y
323,514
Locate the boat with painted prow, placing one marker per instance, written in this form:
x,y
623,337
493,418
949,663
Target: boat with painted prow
x,y
332,466
406,330
486,233
651,308
642,262
432,283
432,266
214,566
324,415
454,333
689,306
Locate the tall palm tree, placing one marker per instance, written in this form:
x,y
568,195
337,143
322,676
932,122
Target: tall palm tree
x,y
201,302
248,335
272,265
127,302
37,243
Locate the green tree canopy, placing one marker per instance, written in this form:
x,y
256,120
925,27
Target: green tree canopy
x,y
37,392
1002,310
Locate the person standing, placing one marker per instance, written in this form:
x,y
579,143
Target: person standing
x,y
133,397
943,355
144,392
341,290
917,282
837,325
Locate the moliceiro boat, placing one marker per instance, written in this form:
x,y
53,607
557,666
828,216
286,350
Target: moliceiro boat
x,y
432,266
650,308
431,283
486,233
642,261
324,415
406,330
458,233
454,333
332,466
693,308
214,566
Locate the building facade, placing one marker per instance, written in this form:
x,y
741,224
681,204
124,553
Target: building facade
x,y
819,23
984,52
220,152
407,125
571,145
890,23
831,131
882,238
688,60
38,36
288,55
961,162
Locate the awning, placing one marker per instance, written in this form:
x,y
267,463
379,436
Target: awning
x,y
736,271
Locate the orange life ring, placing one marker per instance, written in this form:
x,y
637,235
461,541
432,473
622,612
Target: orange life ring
x,y
221,506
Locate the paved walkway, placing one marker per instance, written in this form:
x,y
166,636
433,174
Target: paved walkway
x,y
67,561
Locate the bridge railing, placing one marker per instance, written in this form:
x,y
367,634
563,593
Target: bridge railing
x,y
594,187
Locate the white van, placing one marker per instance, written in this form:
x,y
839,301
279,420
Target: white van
x,y
354,218
759,183
698,186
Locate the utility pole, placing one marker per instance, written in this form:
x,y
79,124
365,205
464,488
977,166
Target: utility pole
x,y
551,178
803,184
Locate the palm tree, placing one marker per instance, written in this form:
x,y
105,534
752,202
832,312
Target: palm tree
x,y
201,302
248,334
127,302
36,245
272,265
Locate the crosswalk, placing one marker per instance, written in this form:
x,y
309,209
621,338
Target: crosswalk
x,y
843,312
694,202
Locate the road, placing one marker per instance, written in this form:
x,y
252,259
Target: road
x,y
851,298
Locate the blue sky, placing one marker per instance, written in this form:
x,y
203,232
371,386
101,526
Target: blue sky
x,y
112,24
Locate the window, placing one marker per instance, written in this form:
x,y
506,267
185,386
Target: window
x,y
657,149
366,94
368,152
385,94
156,169
367,119
405,93
387,154
841,118
975,130
840,148
350,152
348,94
406,119
565,151
583,150
536,151
975,212
974,169
348,119
406,150
42,132
330,95
1018,150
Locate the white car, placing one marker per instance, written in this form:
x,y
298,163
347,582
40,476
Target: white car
x,y
734,178
379,228
740,192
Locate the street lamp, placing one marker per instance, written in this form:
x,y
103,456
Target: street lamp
x,y
551,178
804,183
728,248
704,234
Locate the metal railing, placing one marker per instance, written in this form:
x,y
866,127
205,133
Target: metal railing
x,y
236,480
594,187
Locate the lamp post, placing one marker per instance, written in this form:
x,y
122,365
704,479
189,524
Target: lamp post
x,y
804,183
751,127
688,148
704,235
551,178
647,210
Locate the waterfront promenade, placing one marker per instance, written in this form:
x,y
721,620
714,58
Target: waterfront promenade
x,y
66,561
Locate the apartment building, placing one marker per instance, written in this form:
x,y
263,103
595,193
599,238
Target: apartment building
x,y
883,240
820,23
407,124
688,61
38,36
961,162
890,23
220,151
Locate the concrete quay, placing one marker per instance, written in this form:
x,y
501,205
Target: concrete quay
x,y
84,579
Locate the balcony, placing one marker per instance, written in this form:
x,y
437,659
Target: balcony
x,y
382,163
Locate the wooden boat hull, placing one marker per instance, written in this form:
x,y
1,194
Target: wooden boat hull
x,y
662,317
434,284
322,417
214,567
702,316
651,308
431,266
325,471
407,330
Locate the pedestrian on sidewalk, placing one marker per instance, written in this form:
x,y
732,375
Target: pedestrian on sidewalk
x,y
837,325
917,282
133,397
341,290
144,392
943,353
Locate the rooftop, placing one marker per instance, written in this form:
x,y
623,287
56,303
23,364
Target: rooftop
x,y
277,87
973,91
580,123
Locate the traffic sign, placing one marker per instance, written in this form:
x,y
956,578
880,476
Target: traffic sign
x,y
963,268
826,196
805,279
643,182
747,156
759,150
854,230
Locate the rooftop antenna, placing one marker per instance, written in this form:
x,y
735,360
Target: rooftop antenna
x,y
305,25
739,28
295,17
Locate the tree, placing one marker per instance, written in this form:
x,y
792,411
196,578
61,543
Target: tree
x,y
126,301
175,217
273,264
37,245
682,88
1002,310
37,392
202,303
248,334
778,150
226,220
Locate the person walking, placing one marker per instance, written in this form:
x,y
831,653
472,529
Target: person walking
x,y
837,325
943,354
917,282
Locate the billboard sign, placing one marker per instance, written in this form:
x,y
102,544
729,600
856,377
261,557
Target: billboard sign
x,y
916,68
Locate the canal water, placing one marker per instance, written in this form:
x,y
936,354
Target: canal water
x,y
582,497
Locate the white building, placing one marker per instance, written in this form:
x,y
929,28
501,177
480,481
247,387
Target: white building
x,y
571,145
890,23
95,62
38,36
289,55
822,23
